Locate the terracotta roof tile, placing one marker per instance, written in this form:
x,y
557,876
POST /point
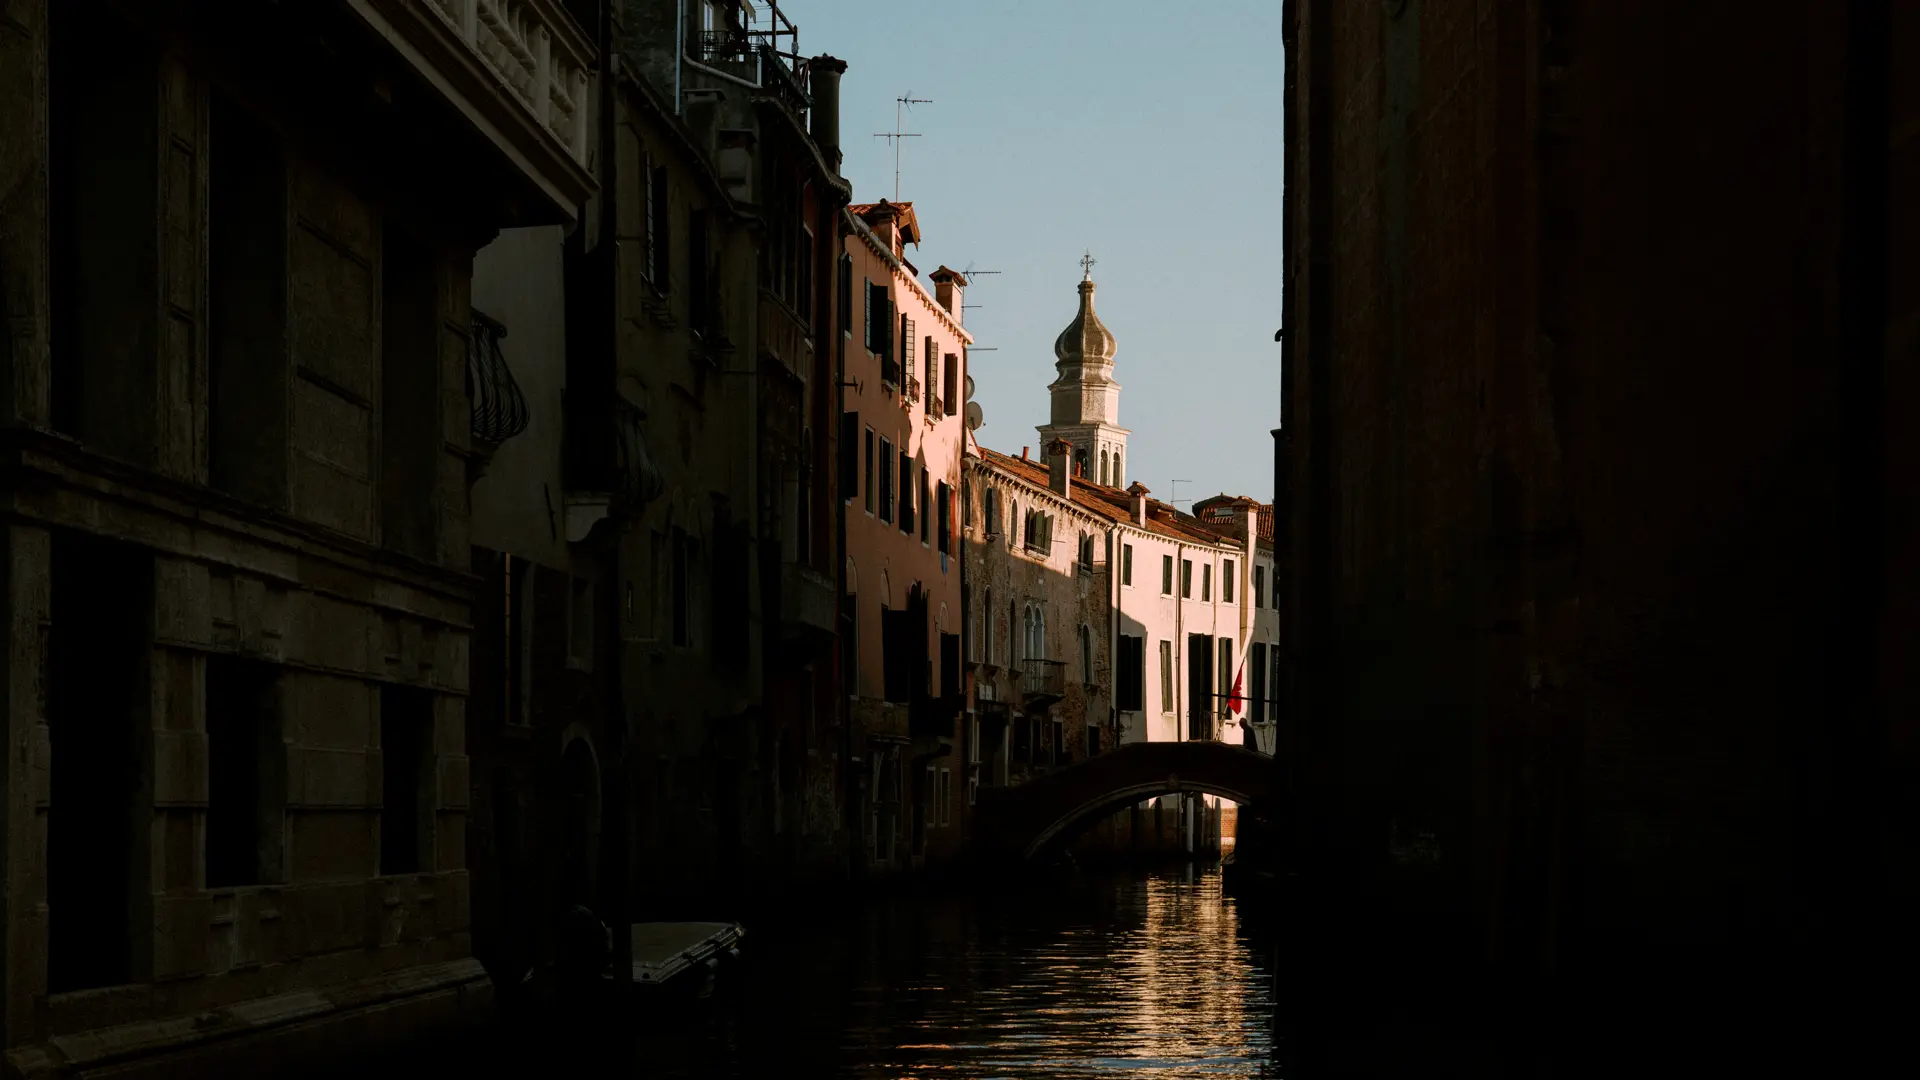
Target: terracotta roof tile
x,y
1109,502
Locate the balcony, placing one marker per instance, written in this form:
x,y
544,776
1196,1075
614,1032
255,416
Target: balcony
x,y
499,408
519,71
909,392
807,611
1043,681
890,372
606,465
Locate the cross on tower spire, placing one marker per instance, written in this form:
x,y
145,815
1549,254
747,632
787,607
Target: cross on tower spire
x,y
1086,266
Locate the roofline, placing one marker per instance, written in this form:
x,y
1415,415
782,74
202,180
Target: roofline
x,y
1219,542
985,462
860,228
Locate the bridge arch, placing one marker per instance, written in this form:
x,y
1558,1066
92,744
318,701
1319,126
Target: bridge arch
x,y
1021,822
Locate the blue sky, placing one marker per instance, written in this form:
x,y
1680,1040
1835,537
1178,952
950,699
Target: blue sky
x,y
1147,131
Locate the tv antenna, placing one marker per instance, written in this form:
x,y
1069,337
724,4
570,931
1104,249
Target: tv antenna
x,y
968,274
900,104
1175,485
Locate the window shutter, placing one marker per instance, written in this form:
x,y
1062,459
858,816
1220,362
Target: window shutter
x,y
849,450
933,372
867,338
906,348
950,388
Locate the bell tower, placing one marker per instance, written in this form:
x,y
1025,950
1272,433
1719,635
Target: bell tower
x,y
1086,400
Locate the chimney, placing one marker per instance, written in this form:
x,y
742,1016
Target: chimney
x,y
823,73
1060,467
1023,454
1139,493
950,288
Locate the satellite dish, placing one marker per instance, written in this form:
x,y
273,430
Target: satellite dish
x,y
969,388
974,416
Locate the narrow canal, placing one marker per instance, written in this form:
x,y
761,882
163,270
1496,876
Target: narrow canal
x,y
1083,976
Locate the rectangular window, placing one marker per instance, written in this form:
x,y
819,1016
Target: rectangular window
x,y
868,482
1259,595
247,302
1276,589
886,480
1186,579
406,779
1166,575
950,384
1132,673
246,772
950,666
1206,582
896,659
908,366
1126,565
906,493
1226,581
866,332
944,501
1257,667
411,330
1166,677
933,364
926,508
1093,739
699,288
846,295
880,327
849,451
943,798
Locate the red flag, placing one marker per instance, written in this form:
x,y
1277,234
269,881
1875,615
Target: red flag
x,y
1235,702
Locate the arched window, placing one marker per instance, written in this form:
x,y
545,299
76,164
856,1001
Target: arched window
x,y
1080,459
1103,466
1035,646
986,620
1119,476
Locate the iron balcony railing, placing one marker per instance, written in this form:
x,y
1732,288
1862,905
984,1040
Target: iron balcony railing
x,y
890,372
910,391
499,408
1044,678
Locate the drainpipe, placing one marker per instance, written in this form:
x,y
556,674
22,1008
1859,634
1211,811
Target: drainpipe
x,y
679,49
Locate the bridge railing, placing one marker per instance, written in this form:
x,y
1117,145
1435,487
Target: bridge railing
x,y
1044,678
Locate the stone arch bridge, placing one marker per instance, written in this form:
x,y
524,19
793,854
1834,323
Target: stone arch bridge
x,y
1020,822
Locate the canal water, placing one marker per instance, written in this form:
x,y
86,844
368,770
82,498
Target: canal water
x,y
1078,976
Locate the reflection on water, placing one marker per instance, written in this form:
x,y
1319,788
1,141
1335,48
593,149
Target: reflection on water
x,y
1100,977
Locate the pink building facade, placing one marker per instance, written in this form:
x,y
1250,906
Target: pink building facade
x,y
901,610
